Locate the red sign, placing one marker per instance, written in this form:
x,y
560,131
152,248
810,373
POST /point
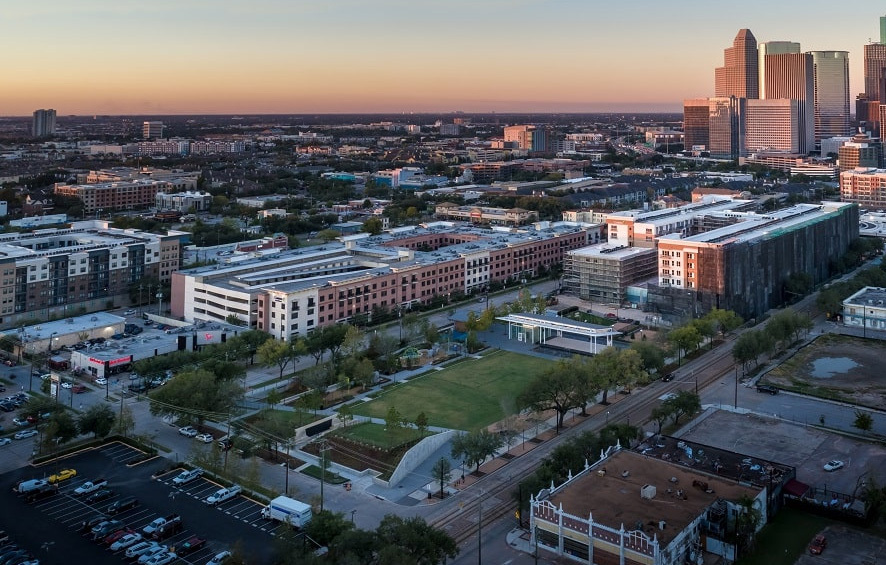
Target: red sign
x,y
112,362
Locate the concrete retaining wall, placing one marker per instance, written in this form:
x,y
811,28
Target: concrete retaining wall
x,y
415,457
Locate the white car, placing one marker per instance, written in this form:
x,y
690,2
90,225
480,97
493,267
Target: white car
x,y
129,312
126,541
101,381
140,548
162,558
5,440
187,476
188,431
205,438
25,434
219,558
67,384
833,465
156,550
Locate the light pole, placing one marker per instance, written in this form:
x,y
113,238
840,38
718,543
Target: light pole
x,y
400,323
160,303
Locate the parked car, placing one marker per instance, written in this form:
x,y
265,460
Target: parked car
x,y
205,438
188,431
90,486
101,381
158,523
156,550
5,441
162,559
129,312
116,535
833,465
123,504
99,495
767,388
187,476
818,544
107,527
219,558
192,544
225,444
63,475
78,389
126,541
89,523
25,434
20,421
140,548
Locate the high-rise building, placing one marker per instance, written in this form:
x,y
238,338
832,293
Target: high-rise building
x,y
696,124
152,130
771,125
874,65
831,86
726,122
790,75
739,74
772,48
44,123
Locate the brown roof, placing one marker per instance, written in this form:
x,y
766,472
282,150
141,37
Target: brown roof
x,y
613,497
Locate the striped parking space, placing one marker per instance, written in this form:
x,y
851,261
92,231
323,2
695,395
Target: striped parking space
x,y
120,452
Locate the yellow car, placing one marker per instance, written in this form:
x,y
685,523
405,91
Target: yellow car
x,y
62,475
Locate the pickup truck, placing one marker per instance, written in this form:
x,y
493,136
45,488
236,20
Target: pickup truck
x,y
223,494
159,523
90,486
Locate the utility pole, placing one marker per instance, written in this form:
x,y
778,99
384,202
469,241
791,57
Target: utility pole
x,y
323,451
735,404
480,530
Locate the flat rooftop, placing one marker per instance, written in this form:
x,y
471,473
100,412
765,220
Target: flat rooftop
x,y
868,296
610,492
67,326
611,251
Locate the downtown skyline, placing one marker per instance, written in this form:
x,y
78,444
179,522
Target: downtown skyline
x,y
344,56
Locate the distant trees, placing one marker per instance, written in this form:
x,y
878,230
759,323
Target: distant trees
x,y
476,447
781,330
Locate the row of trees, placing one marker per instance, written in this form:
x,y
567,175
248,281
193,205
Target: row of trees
x,y
686,339
396,540
62,426
681,403
782,329
830,299
573,383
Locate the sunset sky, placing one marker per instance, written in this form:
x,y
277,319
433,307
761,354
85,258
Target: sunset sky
x,y
295,56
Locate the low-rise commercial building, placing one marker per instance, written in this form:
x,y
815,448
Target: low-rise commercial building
x,y
866,309
631,509
481,215
184,201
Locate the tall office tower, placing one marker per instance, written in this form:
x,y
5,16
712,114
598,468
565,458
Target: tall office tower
x,y
882,29
152,130
874,64
772,48
696,124
739,74
831,85
790,75
726,119
771,125
44,123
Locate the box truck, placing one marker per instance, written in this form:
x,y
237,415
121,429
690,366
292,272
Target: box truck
x,y
289,511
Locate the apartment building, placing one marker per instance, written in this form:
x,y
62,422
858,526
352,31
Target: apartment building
x,y
113,196
183,201
482,214
89,265
603,273
177,179
292,292
743,264
865,187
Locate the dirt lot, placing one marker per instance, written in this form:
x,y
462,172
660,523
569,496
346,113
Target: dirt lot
x,y
838,367
802,447
847,546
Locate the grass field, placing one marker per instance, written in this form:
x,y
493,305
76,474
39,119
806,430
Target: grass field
x,y
378,435
785,538
469,395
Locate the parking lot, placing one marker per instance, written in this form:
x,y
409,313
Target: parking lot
x,y
803,447
53,524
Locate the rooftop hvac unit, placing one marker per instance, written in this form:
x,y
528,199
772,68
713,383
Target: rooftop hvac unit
x,y
648,492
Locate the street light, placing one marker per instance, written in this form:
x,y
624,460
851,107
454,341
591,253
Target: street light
x,y
160,303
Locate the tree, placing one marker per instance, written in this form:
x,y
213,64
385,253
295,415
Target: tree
x,y
346,414
280,353
651,355
353,342
473,343
660,415
412,540
327,338
234,320
421,423
682,403
706,328
441,472
725,320
747,521
605,371
328,235
373,226
273,398
555,389
393,419
61,428
327,525
125,422
863,421
475,447
196,394
97,420
685,339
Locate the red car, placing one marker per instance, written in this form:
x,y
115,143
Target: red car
x,y
108,540
818,544
192,544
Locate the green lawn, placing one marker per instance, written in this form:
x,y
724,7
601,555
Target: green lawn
x,y
467,396
378,435
784,539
